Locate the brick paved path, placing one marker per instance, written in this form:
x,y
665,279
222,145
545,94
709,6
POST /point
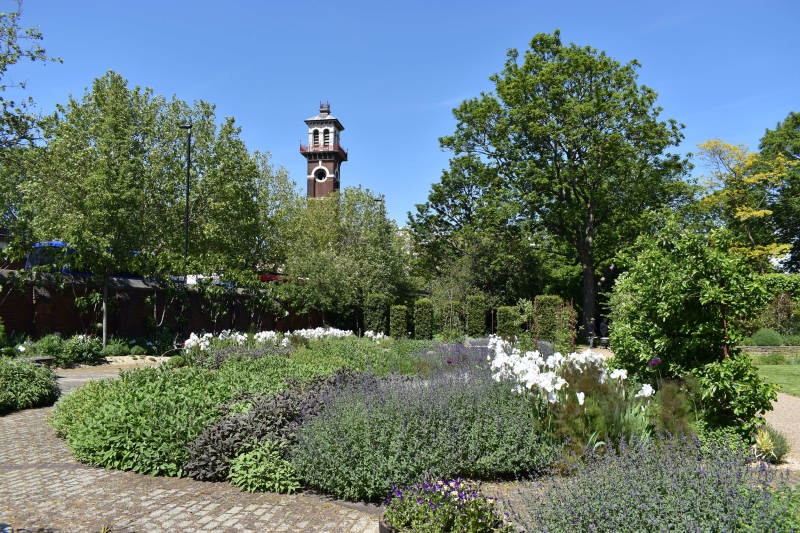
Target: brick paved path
x,y
43,489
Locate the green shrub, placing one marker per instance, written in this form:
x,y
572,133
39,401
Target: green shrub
x,y
262,469
770,444
767,337
176,361
547,316
376,313
398,321
397,431
771,359
509,321
476,315
74,408
2,333
791,340
423,319
138,350
25,385
116,349
81,350
49,346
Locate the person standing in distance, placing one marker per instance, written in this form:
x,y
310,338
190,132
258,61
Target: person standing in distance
x,y
590,331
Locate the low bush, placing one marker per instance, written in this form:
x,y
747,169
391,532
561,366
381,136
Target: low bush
x,y
766,337
214,358
145,419
398,321
26,385
457,423
262,469
138,350
663,484
81,350
116,349
248,417
48,346
770,445
791,340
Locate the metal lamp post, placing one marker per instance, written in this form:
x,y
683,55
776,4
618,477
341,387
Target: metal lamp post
x,y
188,128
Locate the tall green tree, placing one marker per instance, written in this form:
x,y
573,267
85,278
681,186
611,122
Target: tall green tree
x,y
343,248
578,148
784,142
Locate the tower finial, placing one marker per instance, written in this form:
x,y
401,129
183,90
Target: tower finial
x,y
324,108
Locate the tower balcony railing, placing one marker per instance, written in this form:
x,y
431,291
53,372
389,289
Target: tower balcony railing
x,y
323,148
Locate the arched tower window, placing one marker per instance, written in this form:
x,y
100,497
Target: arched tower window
x,y
326,137
316,138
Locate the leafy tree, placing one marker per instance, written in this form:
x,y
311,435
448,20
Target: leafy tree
x,y
575,148
743,186
343,248
784,142
673,313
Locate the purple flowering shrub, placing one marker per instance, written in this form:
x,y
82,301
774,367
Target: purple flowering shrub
x,y
455,422
443,506
661,484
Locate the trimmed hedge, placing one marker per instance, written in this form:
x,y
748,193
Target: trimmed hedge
x,y
376,315
398,321
767,337
476,315
547,316
508,321
423,319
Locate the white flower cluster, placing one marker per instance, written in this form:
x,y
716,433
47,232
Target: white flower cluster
x,y
646,391
533,372
203,341
374,336
266,337
232,334
320,333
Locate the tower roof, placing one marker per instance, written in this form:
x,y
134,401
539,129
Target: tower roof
x,y
324,116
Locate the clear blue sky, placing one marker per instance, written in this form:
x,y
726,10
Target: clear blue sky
x,y
393,71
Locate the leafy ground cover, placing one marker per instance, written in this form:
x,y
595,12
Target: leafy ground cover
x,y
25,385
786,376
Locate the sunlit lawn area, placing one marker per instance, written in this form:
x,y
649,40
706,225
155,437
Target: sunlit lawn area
x,y
787,376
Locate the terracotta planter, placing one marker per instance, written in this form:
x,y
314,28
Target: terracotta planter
x,y
384,528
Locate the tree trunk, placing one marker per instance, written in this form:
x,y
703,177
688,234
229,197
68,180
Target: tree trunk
x,y
589,288
105,309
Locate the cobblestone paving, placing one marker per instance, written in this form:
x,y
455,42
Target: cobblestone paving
x,y
43,489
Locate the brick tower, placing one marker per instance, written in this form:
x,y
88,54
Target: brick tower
x,y
323,152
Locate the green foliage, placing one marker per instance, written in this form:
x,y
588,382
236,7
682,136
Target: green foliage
x,y
51,346
509,321
176,361
674,303
476,315
423,319
376,313
786,377
398,321
733,393
770,444
26,385
138,350
262,469
766,337
547,307
83,350
116,349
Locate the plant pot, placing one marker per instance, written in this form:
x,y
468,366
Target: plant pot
x,y
383,527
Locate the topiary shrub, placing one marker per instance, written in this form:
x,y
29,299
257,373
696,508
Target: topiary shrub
x,y
476,315
423,319
376,313
138,350
398,321
508,321
767,337
25,385
116,349
547,307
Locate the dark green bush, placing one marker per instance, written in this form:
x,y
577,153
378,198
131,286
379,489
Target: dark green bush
x,y
660,485
138,350
26,385
508,321
48,346
376,313
767,337
423,319
81,350
462,423
116,349
476,315
398,321
547,316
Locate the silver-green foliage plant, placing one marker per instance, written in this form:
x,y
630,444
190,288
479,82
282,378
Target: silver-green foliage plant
x,y
673,314
262,469
663,484
26,385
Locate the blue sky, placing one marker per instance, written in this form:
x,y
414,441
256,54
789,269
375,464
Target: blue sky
x,y
393,71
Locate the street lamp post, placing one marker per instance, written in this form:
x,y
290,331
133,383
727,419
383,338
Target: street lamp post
x,y
188,128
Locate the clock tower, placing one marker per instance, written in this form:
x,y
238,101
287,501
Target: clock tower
x,y
323,152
